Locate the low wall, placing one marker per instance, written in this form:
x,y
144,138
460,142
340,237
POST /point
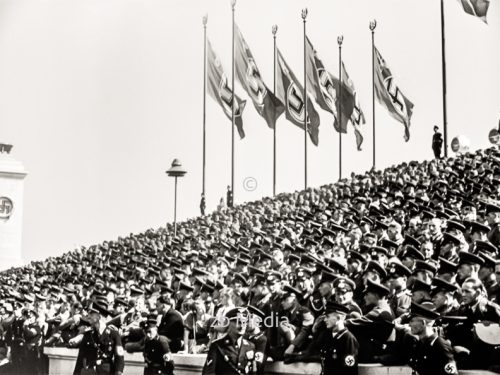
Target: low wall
x,y
62,362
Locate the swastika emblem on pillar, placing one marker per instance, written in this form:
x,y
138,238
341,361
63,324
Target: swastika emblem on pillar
x,y
6,208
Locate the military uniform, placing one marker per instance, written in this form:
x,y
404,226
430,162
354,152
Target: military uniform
x,y
226,357
339,354
15,339
32,352
260,342
154,351
437,144
101,353
400,302
432,356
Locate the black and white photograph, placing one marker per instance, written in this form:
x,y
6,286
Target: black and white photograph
x,y
249,187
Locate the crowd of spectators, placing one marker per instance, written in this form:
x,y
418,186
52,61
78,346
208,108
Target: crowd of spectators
x,y
422,232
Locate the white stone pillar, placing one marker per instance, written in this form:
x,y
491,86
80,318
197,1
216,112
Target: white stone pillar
x,y
12,176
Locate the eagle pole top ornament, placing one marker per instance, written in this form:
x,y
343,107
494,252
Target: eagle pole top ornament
x,y
304,14
373,25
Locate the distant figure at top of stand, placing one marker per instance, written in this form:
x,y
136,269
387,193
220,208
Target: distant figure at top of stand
x,y
222,205
229,197
437,143
203,204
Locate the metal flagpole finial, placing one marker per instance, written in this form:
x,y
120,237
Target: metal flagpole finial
x,y
233,4
275,29
304,14
340,39
205,19
373,25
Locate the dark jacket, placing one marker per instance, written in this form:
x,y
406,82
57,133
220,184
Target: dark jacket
x,y
339,354
172,327
433,356
224,358
100,350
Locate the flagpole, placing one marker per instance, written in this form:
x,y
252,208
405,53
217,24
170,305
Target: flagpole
x,y
304,98
373,25
275,30
205,20
340,39
233,5
443,63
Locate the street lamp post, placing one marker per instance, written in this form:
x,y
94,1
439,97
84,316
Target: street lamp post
x,y
175,171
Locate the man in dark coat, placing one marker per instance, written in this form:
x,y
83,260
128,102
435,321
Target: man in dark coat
x,y
156,351
171,324
101,349
232,354
437,142
373,329
432,354
339,350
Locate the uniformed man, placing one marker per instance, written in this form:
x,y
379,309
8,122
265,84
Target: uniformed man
x,y
202,204
339,349
493,218
344,292
400,297
156,351
432,354
14,336
443,297
229,197
232,354
257,336
296,321
101,351
32,353
373,329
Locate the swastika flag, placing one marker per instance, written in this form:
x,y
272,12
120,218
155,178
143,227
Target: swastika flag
x,y
389,94
327,91
477,8
265,102
290,92
219,90
357,117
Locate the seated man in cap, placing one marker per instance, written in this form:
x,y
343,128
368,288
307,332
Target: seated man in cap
x,y
101,348
373,329
344,294
493,218
468,266
400,298
156,351
432,354
477,308
232,354
443,297
295,322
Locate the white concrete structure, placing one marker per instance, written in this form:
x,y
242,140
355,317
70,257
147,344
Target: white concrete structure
x,y
12,176
62,362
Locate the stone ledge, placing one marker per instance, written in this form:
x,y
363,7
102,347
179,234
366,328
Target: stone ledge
x,y
62,362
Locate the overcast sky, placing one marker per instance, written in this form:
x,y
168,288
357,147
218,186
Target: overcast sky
x,y
99,96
